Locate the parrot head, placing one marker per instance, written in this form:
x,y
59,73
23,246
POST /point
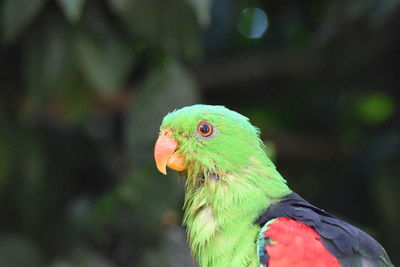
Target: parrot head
x,y
205,139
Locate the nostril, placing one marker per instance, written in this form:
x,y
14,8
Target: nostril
x,y
166,133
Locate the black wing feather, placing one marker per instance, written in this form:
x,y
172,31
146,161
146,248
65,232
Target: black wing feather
x,y
349,244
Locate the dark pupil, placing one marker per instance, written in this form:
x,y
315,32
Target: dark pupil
x,y
204,129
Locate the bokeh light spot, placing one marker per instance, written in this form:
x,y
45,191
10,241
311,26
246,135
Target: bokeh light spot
x,y
253,22
376,108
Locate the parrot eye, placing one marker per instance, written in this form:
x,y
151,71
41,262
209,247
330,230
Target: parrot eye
x,y
205,129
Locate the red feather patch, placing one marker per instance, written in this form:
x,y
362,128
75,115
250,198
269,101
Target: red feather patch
x,y
296,244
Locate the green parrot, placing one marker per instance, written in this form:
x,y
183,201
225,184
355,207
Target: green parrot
x,y
238,209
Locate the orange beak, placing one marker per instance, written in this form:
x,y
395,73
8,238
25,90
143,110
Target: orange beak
x,y
165,153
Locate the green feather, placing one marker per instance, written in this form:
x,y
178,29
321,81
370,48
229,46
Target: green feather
x,y
230,182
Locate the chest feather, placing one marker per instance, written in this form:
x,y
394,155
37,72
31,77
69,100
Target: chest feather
x,y
218,234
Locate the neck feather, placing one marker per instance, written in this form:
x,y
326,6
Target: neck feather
x,y
221,207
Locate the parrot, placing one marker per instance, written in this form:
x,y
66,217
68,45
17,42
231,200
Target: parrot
x,y
239,210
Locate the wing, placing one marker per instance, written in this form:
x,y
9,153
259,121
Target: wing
x,y
348,244
286,242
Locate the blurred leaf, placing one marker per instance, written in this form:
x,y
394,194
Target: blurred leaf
x,y
105,64
17,14
16,251
51,72
76,100
202,9
119,5
106,58
72,9
46,58
48,62
376,108
171,27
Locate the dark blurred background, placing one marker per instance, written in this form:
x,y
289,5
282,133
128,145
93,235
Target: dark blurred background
x,y
84,85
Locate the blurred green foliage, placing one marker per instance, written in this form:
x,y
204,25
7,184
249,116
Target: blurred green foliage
x,y
376,108
84,85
